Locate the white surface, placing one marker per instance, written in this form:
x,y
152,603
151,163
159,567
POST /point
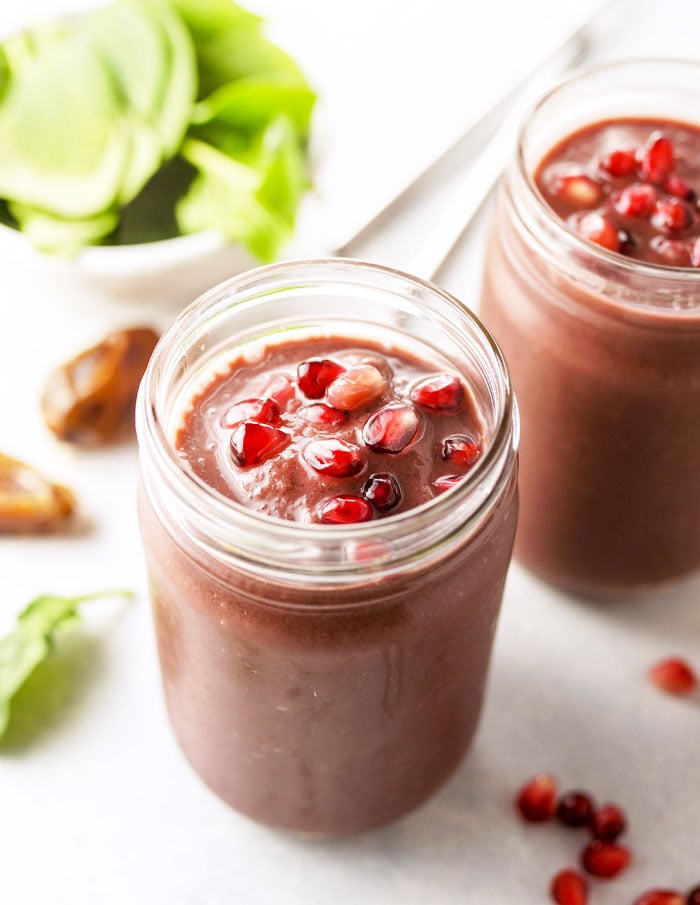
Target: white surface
x,y
97,804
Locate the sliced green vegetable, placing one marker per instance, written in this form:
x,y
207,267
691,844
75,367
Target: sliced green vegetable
x,y
38,627
59,236
94,107
68,156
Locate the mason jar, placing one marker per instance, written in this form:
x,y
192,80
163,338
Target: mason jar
x,y
605,356
324,678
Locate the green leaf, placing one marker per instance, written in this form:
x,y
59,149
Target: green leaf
x,y
251,200
205,18
67,156
250,103
240,53
57,235
38,626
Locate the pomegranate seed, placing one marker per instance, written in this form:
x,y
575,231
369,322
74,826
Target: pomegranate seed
x,y
674,676
608,823
626,242
536,801
620,163
391,429
440,393
460,449
578,190
356,387
315,375
575,809
673,252
676,185
670,215
695,254
252,442
596,228
281,389
318,413
693,897
345,510
605,859
660,897
255,409
382,490
569,888
444,482
334,458
658,159
636,200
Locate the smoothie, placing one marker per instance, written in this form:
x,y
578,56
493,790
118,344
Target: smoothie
x,y
592,287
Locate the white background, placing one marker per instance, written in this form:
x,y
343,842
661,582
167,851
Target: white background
x,y
97,806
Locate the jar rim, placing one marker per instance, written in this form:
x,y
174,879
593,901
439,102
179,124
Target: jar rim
x,y
152,433
563,233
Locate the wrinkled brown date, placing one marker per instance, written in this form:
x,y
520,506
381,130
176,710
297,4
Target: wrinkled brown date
x,y
29,503
90,400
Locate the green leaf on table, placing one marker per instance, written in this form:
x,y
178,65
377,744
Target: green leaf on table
x,y
38,627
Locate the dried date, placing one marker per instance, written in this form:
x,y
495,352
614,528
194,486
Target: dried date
x,y
90,400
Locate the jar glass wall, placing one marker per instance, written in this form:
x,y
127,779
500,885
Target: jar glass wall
x,y
323,678
605,356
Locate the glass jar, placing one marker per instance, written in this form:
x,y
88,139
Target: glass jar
x,y
605,357
324,679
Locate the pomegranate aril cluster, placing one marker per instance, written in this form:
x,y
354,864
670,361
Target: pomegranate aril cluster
x,y
603,857
627,187
372,419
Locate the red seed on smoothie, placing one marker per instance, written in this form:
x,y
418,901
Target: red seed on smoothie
x,y
358,423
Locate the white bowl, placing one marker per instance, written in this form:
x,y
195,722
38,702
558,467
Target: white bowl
x,y
172,271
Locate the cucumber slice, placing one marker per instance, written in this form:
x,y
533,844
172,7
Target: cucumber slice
x,y
64,144
59,236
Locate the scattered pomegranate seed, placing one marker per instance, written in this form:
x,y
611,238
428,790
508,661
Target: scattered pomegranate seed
x,y
382,490
569,888
693,897
605,859
695,254
670,215
439,393
536,801
391,429
252,442
676,185
444,482
575,809
658,159
620,163
596,228
673,252
636,200
266,411
460,449
578,190
318,413
334,458
674,676
345,510
315,375
356,387
608,823
281,389
660,897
